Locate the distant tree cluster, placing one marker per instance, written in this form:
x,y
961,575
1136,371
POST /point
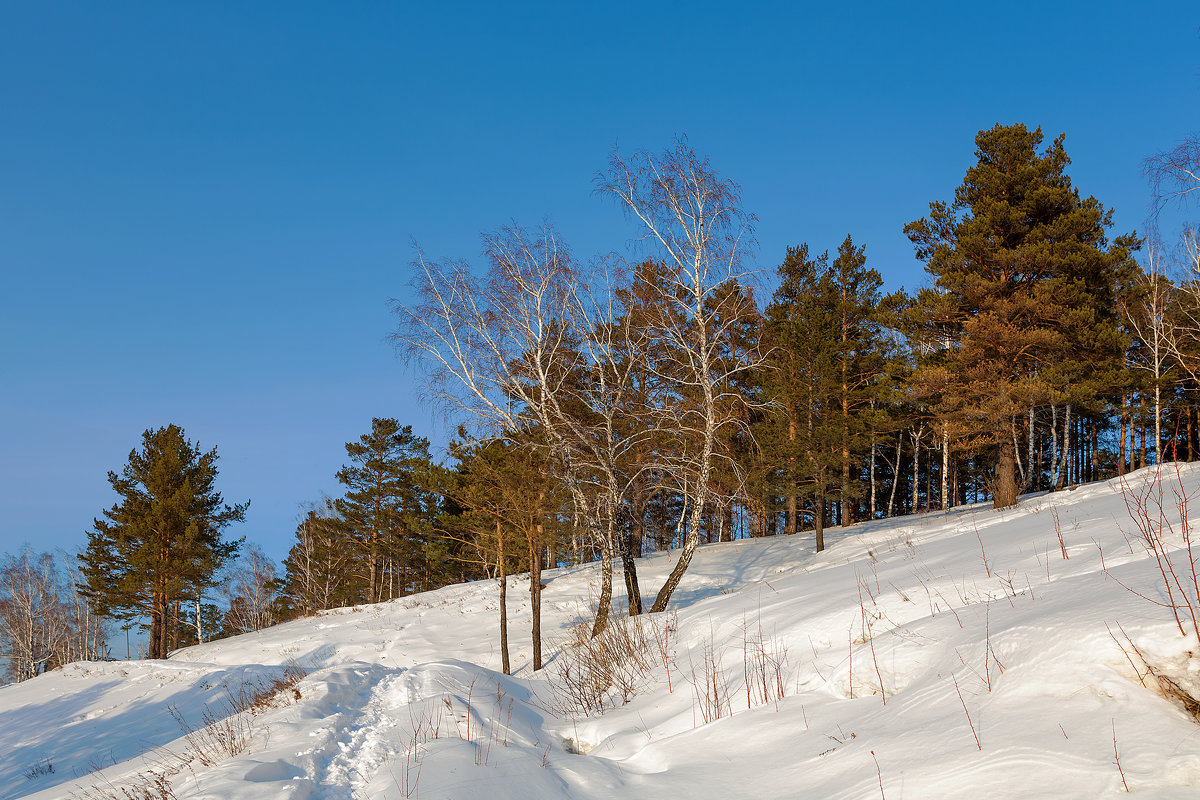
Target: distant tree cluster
x,y
379,540
45,622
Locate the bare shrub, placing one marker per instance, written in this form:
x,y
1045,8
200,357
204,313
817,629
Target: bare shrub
x,y
148,785
1155,678
763,661
219,736
262,694
227,729
710,688
597,672
1171,548
425,723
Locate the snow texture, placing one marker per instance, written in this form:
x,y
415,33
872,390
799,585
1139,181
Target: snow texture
x,y
945,655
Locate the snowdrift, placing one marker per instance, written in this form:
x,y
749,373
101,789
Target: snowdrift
x,y
973,653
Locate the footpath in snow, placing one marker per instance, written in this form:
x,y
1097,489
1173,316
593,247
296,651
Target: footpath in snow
x,y
973,653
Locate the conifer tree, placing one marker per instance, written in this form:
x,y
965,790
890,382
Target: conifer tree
x,y
162,541
1021,304
804,383
513,503
388,508
859,314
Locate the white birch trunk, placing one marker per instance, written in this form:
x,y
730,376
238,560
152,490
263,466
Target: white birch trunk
x,y
945,466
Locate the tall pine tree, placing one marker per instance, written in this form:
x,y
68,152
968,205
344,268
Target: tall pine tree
x,y
804,384
389,509
1023,274
162,542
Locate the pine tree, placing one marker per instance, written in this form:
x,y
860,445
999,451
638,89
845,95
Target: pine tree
x,y
513,506
804,384
388,510
860,313
1024,274
162,542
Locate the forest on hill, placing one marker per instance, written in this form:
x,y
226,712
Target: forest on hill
x,y
612,409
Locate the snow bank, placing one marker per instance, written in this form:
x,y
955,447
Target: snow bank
x,y
939,656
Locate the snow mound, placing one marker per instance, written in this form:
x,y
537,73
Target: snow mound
x,y
939,656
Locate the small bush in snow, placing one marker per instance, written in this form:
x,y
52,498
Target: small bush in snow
x,y
595,672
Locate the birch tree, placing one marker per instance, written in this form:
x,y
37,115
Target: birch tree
x,y
44,621
251,589
1147,314
692,220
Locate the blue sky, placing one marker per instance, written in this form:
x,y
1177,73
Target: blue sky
x,y
205,208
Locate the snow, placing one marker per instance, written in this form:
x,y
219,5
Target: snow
x,y
891,645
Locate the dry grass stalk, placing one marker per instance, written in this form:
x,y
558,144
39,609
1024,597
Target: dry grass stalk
x,y
1179,577
978,744
598,672
149,785
1117,758
1154,679
226,732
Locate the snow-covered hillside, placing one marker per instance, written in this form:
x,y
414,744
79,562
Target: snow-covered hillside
x,y
940,656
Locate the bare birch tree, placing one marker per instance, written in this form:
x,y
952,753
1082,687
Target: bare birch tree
x,y
691,218
252,589
502,354
44,621
1174,174
1147,313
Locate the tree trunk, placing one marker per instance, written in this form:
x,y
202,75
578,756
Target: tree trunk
x,y
916,473
819,518
629,567
1053,468
1030,451
790,524
1064,467
535,594
156,626
1004,494
503,577
895,475
1190,451
1157,423
1121,453
605,602
872,468
1142,429
691,538
945,498
1024,476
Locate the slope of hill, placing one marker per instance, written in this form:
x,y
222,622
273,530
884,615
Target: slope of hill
x,y
938,656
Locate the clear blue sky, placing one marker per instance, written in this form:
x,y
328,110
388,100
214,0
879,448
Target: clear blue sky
x,y
205,207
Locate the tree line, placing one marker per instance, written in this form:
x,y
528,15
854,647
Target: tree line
x,y
612,409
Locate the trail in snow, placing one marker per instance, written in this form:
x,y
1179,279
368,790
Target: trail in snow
x,y
404,700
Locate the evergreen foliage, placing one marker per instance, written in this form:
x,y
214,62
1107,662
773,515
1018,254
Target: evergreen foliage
x,y
161,543
388,511
1022,310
